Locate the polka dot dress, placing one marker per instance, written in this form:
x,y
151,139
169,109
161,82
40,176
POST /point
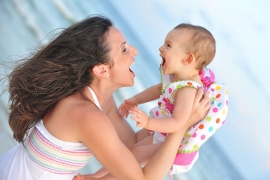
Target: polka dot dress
x,y
198,134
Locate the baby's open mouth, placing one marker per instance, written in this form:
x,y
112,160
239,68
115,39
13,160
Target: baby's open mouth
x,y
163,62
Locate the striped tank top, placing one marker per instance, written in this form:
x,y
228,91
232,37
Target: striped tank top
x,y
54,155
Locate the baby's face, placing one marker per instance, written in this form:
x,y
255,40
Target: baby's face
x,y
173,50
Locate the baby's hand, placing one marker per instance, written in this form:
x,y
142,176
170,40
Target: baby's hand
x,y
127,105
139,116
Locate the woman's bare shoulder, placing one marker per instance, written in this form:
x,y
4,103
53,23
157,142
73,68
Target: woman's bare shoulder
x,y
81,111
71,114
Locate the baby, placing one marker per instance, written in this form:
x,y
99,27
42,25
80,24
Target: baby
x,y
186,52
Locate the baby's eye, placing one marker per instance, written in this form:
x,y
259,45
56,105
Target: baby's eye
x,y
168,45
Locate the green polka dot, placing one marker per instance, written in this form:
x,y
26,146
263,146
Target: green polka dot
x,y
186,142
195,146
208,118
187,135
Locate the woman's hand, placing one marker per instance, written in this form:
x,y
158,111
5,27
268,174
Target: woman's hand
x,y
85,177
200,107
78,177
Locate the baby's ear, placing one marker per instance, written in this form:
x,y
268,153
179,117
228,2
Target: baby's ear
x,y
189,59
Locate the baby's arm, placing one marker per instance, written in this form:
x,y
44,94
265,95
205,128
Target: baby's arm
x,y
149,94
183,105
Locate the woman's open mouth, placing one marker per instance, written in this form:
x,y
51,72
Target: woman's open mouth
x,y
131,70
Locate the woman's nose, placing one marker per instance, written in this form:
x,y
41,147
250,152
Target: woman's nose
x,y
133,51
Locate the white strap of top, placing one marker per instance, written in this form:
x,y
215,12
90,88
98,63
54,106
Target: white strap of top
x,y
95,97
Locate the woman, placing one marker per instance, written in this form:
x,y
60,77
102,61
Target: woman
x,y
64,91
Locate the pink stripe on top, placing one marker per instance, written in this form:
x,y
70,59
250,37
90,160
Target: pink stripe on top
x,y
54,155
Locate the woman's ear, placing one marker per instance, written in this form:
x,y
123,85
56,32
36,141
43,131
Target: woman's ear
x,y
189,59
101,70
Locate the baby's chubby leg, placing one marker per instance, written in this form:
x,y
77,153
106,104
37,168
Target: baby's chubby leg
x,y
141,135
144,150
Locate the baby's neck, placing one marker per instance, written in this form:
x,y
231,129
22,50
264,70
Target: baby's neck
x,y
188,76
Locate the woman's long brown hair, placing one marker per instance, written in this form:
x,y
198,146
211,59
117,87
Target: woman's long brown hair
x,y
56,71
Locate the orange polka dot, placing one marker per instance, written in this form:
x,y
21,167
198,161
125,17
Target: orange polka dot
x,y
189,83
217,120
217,96
201,126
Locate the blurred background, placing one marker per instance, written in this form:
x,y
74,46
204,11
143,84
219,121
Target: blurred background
x,y
240,150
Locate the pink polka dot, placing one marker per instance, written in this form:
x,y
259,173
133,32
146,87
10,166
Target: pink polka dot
x,y
227,103
194,135
223,122
157,114
215,110
170,90
202,137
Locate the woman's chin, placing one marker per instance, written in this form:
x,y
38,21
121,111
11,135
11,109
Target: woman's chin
x,y
130,83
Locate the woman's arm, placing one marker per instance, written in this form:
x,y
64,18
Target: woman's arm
x,y
122,127
110,150
99,135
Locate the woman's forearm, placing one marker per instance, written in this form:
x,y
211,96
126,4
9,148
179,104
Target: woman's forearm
x,y
160,164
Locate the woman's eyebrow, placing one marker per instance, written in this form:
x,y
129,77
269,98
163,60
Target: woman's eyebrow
x,y
122,44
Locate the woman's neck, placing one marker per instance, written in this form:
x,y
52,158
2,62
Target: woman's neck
x,y
101,91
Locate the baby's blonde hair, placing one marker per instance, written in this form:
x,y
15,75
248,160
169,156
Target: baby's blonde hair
x,y
201,43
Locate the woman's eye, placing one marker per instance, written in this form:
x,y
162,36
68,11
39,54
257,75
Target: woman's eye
x,y
124,50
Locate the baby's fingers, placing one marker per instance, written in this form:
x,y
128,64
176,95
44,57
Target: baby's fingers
x,y
122,110
124,113
135,115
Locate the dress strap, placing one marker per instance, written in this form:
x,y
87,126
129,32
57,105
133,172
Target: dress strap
x,y
165,79
95,97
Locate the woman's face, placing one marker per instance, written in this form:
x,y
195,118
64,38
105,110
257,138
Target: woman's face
x,y
122,55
